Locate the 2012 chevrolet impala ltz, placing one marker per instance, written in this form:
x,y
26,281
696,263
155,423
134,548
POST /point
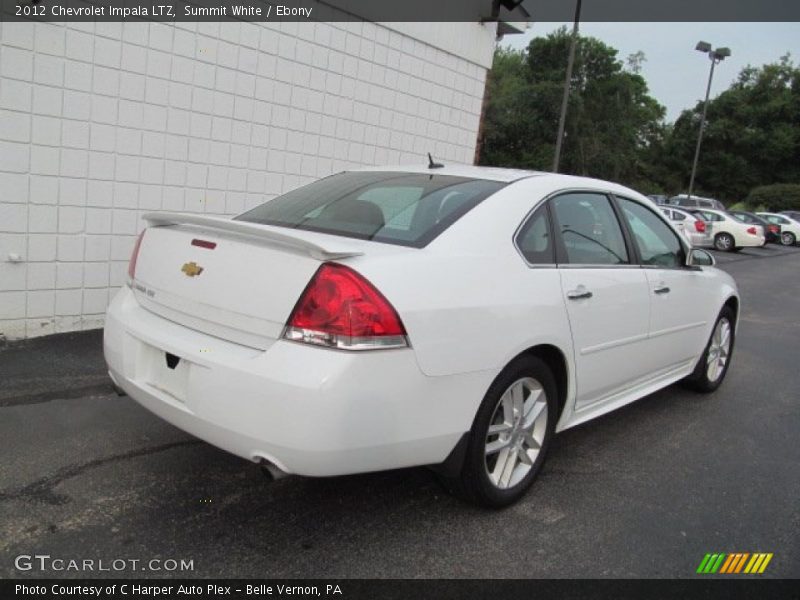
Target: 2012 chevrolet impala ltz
x,y
380,318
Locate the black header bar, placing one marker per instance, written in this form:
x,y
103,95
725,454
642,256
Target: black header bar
x,y
400,10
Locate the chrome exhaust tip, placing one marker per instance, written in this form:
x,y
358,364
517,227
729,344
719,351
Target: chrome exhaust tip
x,y
270,471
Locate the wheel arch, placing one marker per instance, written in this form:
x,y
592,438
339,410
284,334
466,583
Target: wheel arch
x,y
733,303
556,361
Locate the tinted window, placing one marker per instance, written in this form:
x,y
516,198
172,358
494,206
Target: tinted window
x,y
676,216
408,209
534,241
657,243
709,216
589,229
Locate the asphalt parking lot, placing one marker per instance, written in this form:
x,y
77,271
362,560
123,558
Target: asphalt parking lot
x,y
643,492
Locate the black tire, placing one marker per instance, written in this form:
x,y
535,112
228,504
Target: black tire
x,y
699,380
473,482
724,242
788,238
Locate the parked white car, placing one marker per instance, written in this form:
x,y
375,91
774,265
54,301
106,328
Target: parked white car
x,y
694,228
730,234
386,318
790,228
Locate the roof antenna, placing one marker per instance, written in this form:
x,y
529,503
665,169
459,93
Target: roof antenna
x,y
433,165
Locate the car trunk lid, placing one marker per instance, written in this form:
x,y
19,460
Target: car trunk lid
x,y
234,280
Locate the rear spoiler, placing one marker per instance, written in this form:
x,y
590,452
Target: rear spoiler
x,y
252,230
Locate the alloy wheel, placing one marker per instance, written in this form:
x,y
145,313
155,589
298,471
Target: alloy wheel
x,y
723,242
719,350
516,433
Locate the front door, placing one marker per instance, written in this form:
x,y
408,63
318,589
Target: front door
x,y
678,320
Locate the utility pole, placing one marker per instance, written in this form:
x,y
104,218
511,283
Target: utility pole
x,y
570,62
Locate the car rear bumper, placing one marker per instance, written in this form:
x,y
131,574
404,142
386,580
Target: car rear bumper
x,y
701,240
308,410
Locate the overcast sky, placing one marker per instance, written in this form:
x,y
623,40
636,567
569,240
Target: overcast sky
x,y
677,74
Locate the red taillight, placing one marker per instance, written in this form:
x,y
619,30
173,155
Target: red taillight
x,y
700,226
774,229
204,244
341,309
135,255
751,230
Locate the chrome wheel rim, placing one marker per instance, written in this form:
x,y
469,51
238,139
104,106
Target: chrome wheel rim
x,y
516,433
724,242
786,238
719,350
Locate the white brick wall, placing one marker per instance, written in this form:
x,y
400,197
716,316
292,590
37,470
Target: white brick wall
x,y
102,122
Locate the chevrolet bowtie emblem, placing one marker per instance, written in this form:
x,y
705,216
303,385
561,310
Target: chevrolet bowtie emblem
x,y
192,269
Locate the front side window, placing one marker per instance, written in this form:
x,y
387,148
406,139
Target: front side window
x,y
658,245
589,230
534,241
407,209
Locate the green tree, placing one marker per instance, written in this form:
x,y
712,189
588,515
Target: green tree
x,y
612,122
751,137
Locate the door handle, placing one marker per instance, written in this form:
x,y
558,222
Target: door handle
x,y
662,289
579,294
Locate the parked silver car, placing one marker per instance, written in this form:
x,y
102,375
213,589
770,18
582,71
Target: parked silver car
x,y
696,230
685,201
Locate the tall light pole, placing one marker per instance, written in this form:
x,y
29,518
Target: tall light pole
x,y
570,61
716,56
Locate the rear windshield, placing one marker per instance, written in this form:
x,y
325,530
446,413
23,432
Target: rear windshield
x,y
408,209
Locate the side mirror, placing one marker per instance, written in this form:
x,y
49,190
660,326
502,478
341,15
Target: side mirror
x,y
700,258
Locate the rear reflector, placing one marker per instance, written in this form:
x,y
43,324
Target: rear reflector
x,y
700,226
135,256
341,309
204,244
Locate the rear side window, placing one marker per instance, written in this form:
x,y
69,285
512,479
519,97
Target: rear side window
x,y
709,216
745,218
534,240
407,209
589,230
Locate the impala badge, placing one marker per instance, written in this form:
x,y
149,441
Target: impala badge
x,y
192,269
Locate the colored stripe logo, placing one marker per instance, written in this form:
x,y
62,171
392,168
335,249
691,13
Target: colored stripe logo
x,y
735,562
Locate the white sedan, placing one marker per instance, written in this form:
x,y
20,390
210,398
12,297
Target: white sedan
x,y
694,228
790,228
456,317
731,234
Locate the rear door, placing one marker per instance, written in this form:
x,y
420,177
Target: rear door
x,y
606,295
